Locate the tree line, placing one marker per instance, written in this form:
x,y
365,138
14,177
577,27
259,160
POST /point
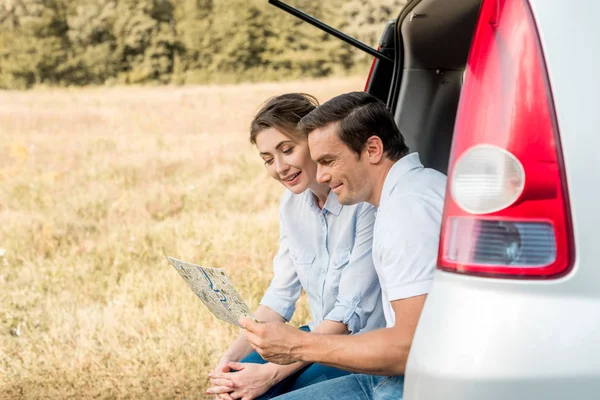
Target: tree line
x,y
95,42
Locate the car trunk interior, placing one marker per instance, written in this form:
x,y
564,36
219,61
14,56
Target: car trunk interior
x,y
434,40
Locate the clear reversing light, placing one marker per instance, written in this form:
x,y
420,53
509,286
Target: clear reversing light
x,y
487,179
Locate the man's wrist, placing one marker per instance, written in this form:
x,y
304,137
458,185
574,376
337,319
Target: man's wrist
x,y
302,350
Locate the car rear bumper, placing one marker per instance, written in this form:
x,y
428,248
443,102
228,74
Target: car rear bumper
x,y
491,339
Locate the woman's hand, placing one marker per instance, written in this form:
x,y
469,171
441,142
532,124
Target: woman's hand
x,y
249,382
221,387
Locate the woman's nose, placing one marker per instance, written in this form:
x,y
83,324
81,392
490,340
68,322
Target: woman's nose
x,y
281,166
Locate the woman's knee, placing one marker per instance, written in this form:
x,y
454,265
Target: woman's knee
x,y
253,358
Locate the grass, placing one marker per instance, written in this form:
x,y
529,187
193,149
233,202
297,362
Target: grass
x,y
96,187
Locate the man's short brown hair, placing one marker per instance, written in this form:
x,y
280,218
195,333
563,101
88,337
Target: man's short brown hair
x,y
359,116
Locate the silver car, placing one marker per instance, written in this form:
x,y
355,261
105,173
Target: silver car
x,y
514,312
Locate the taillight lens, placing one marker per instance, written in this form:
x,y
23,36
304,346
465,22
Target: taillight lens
x,y
506,210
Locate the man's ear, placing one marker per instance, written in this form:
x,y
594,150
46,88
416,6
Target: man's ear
x,y
374,149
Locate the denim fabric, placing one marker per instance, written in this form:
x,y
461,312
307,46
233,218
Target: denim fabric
x,y
352,387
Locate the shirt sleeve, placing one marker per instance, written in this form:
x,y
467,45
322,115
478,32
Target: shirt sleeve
x,y
409,246
359,296
285,287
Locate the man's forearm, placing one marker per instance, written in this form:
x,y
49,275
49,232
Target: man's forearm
x,y
380,352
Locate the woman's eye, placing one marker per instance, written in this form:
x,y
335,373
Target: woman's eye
x,y
288,151
269,161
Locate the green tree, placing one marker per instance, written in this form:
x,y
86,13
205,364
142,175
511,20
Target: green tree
x,y
365,20
92,58
81,42
240,39
34,43
303,50
146,42
194,24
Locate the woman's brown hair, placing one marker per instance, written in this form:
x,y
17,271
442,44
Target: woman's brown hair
x,y
283,113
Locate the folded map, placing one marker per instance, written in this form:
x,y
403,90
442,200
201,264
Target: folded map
x,y
214,288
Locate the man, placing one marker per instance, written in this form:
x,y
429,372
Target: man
x,y
362,156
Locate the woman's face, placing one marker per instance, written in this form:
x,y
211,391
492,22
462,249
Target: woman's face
x,y
287,161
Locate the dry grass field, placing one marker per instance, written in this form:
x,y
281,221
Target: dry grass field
x,y
96,187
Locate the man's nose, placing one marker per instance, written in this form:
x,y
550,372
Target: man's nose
x,y
322,175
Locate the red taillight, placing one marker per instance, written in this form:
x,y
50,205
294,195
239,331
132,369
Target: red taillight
x,y
371,71
506,206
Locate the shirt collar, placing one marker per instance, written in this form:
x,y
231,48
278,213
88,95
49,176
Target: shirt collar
x,y
395,174
331,204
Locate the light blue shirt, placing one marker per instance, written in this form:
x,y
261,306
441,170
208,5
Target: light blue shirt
x,y
407,231
326,252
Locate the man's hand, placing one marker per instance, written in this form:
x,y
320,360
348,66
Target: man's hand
x,y
221,387
275,341
250,380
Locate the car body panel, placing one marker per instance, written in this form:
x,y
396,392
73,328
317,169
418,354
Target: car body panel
x,y
487,338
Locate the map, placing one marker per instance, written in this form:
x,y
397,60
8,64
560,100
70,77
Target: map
x,y
213,287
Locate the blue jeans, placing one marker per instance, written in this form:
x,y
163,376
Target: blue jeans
x,y
352,387
307,376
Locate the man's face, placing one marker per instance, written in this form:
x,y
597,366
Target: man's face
x,y
338,166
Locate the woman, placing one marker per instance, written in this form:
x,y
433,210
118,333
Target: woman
x,y
324,248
